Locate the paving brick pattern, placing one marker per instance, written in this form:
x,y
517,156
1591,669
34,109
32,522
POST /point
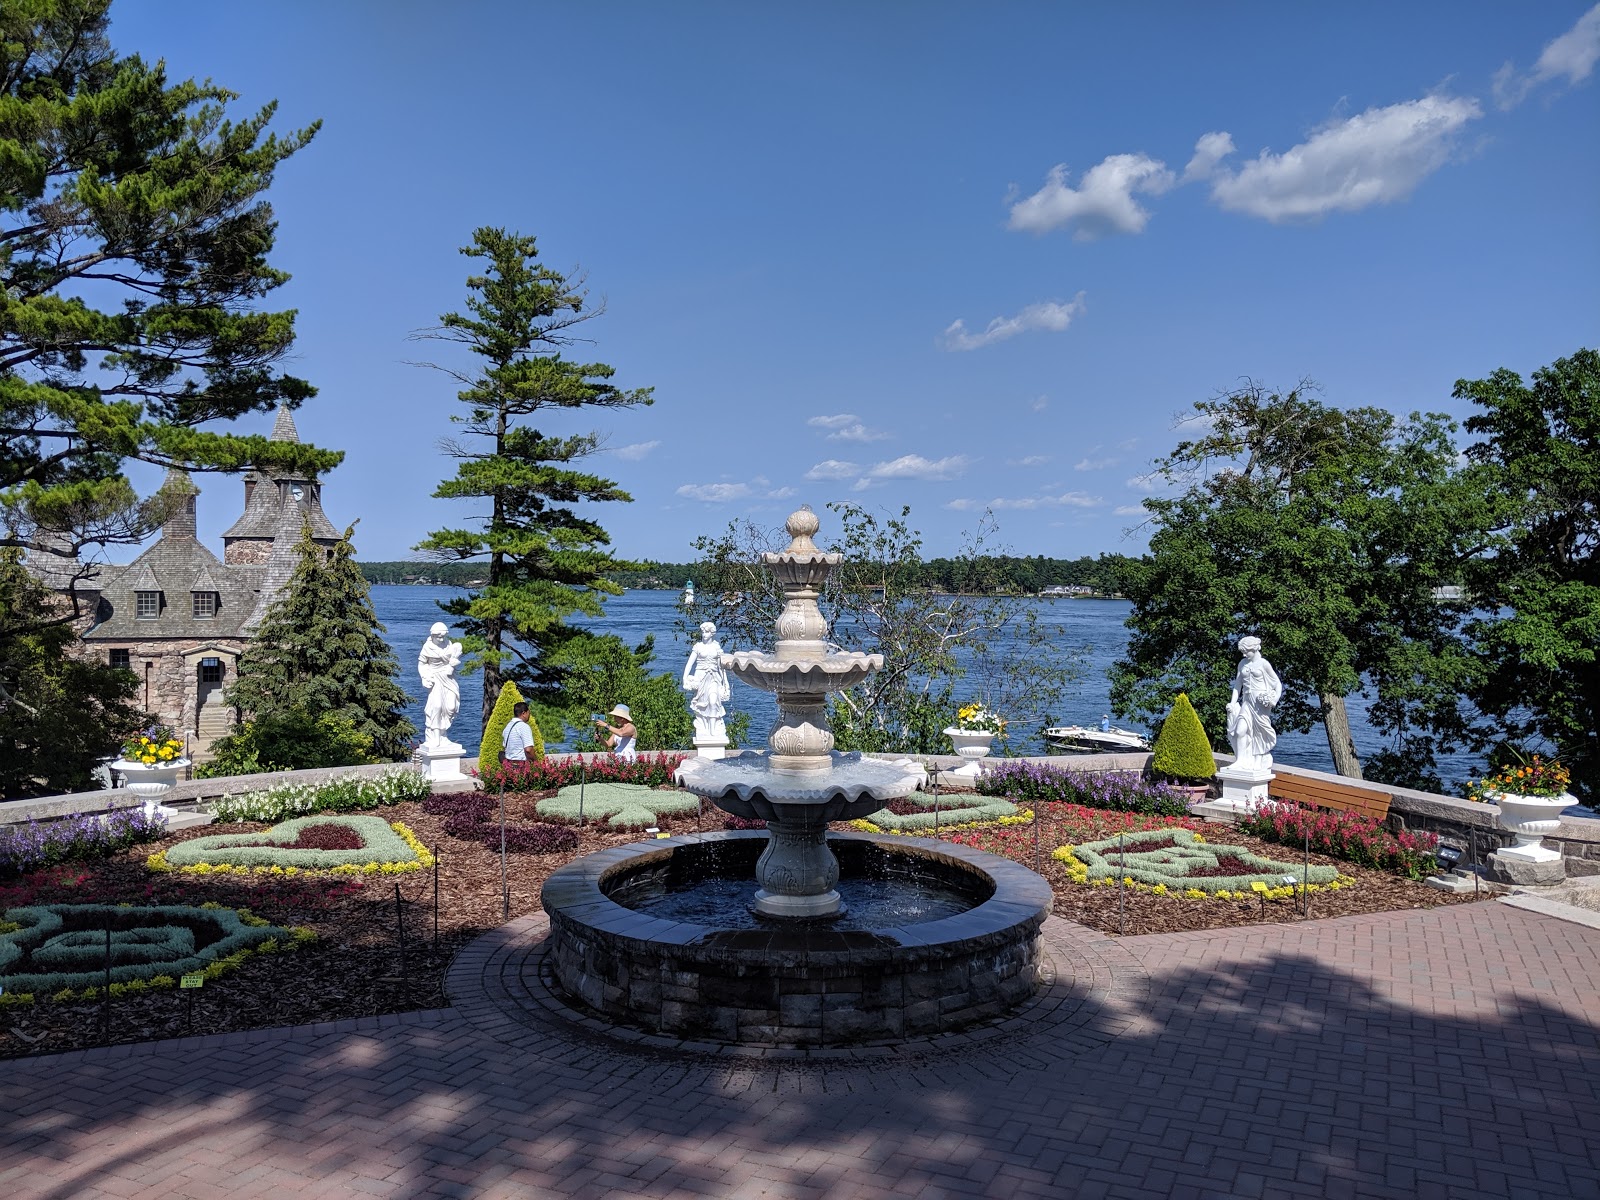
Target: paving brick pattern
x,y
1449,1052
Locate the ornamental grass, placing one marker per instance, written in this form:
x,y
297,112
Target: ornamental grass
x,y
1344,835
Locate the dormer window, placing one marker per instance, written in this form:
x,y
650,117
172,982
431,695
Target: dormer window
x,y
205,605
147,605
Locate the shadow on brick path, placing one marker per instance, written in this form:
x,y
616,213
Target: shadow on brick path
x,y
1445,1052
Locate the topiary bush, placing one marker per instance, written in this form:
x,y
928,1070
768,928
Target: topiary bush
x,y
494,731
1182,752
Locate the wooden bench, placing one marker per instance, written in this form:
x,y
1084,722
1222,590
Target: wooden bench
x,y
1324,793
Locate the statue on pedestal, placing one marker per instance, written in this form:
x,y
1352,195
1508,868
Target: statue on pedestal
x,y
705,678
1256,691
437,665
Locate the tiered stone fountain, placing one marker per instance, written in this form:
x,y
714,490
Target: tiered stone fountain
x,y
669,936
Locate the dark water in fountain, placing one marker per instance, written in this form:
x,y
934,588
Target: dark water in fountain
x,y
725,903
713,884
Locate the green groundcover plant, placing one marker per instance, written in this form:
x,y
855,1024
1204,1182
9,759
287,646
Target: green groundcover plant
x,y
366,840
59,950
622,805
953,809
1179,859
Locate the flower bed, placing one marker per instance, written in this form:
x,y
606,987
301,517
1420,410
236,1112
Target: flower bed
x,y
1122,790
1168,860
303,844
1344,835
348,793
916,813
474,817
622,805
548,775
32,846
59,950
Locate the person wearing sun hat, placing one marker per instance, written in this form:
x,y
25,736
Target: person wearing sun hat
x,y
622,736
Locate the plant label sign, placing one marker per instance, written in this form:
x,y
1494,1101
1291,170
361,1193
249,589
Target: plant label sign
x,y
192,981
1258,886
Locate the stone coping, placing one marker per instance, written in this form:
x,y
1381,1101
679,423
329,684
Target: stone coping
x,y
577,890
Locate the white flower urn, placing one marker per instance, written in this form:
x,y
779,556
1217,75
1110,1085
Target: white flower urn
x,y
151,781
1529,819
970,744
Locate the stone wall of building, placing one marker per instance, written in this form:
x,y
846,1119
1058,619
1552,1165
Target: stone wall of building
x,y
248,551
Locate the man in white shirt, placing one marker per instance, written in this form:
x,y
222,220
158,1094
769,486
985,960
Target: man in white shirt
x,y
517,739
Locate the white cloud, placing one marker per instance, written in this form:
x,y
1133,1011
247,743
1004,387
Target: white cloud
x,y
1101,204
1210,150
1572,57
715,493
914,466
782,493
833,468
1051,315
847,427
1094,464
836,421
1128,510
1042,403
1377,157
1032,460
1025,503
636,451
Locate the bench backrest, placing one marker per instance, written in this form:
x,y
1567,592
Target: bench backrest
x,y
1320,793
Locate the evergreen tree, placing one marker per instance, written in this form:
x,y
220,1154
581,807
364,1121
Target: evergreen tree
x,y
59,716
320,653
121,189
544,562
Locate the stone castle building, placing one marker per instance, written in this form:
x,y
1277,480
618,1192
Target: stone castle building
x,y
178,617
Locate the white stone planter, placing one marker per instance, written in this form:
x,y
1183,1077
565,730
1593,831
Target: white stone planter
x,y
150,783
1529,818
970,744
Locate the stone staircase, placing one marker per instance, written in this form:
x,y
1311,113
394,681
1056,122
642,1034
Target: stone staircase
x,y
216,720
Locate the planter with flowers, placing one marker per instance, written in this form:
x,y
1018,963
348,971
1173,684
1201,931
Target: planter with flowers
x,y
1530,796
975,728
151,762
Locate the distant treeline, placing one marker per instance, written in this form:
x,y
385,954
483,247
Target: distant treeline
x,y
1100,575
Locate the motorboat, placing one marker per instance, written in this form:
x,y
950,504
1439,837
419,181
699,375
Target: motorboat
x,y
1091,739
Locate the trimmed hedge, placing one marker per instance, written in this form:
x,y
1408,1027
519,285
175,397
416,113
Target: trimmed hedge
x,y
1171,867
494,731
348,793
623,805
1182,751
71,940
384,847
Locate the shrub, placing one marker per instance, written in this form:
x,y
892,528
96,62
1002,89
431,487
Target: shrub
x,y
494,731
1182,752
348,793
32,846
1344,835
293,740
1119,790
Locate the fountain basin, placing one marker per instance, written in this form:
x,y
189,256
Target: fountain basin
x,y
786,983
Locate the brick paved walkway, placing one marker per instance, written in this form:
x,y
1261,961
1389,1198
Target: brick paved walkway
x,y
1442,1053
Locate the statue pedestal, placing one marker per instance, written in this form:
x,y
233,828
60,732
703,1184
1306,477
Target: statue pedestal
x,y
711,747
1244,789
441,761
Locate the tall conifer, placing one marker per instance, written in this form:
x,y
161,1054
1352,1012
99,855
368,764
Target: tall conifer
x,y
544,561
320,651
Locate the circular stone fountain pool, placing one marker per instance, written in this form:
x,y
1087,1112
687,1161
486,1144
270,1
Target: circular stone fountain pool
x,y
660,936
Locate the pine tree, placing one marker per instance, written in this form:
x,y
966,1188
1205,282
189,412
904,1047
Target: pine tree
x,y
320,652
543,560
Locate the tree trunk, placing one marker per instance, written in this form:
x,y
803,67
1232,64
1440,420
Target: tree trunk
x,y
1337,723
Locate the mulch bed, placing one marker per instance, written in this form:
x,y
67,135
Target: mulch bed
x,y
354,969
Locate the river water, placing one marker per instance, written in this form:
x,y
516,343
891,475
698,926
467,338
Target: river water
x,y
1094,627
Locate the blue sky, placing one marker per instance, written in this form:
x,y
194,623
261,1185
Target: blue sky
x,y
950,256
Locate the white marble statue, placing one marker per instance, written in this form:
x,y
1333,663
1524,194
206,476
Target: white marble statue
x,y
704,676
1256,692
437,665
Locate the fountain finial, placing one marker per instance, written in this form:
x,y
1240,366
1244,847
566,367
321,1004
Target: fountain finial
x,y
802,523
